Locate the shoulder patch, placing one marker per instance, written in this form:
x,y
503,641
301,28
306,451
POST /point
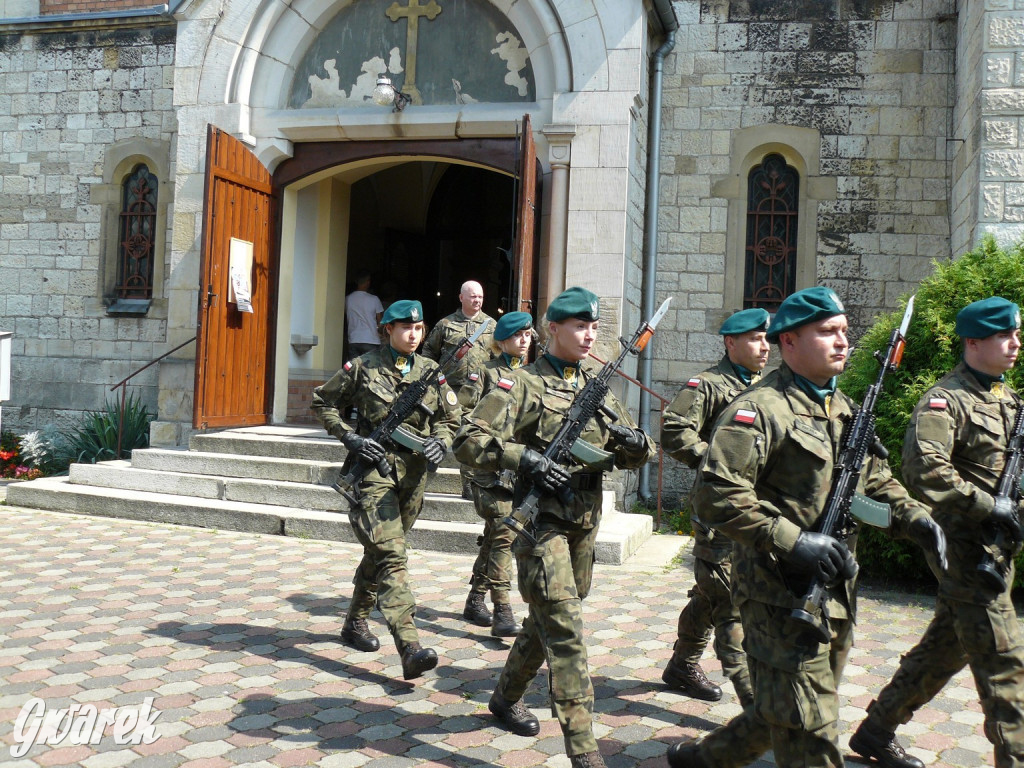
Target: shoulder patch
x,y
451,398
474,376
743,416
937,403
694,382
441,379
506,384
348,366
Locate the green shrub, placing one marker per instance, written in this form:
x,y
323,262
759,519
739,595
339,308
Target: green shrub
x,y
674,520
932,350
45,450
96,439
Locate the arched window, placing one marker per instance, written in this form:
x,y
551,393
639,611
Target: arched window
x,y
770,254
137,235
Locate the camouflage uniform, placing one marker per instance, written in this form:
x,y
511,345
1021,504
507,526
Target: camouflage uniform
x,y
685,432
554,576
388,506
765,480
953,456
448,332
492,495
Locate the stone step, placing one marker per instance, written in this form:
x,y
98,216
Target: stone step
x,y
253,487
619,537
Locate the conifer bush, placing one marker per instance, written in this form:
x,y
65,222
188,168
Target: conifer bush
x,y
932,350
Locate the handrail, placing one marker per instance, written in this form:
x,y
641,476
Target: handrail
x,y
662,401
123,384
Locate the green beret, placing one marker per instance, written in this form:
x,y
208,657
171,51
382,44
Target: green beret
x,y
574,302
745,320
981,319
405,311
511,324
804,307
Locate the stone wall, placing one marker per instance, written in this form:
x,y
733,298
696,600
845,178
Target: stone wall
x,y
69,99
875,80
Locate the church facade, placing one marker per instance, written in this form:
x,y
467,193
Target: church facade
x,y
206,178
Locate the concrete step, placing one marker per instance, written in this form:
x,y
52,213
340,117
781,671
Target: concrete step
x,y
619,537
277,491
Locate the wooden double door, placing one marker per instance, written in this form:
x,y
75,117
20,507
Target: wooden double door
x,y
240,255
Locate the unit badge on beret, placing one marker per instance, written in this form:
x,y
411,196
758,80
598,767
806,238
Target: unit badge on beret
x,y
414,314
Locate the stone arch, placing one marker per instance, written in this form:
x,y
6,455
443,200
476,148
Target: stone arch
x,y
801,149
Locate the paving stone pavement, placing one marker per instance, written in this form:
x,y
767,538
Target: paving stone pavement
x,y
234,638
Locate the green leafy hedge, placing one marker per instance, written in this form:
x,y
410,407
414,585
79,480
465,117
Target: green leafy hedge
x,y
932,350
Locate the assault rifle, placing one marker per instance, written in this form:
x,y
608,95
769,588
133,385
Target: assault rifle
x,y
844,503
566,443
390,431
996,567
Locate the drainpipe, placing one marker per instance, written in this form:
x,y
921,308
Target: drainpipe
x,y
651,205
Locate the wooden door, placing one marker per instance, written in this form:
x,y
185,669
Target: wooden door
x,y
524,260
234,358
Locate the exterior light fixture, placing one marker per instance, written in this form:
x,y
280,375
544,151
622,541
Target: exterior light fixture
x,y
385,95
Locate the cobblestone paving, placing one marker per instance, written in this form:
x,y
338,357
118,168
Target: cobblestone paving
x,y
234,636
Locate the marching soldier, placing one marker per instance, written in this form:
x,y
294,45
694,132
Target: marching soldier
x,y
388,504
684,436
492,491
764,482
510,429
450,331
953,457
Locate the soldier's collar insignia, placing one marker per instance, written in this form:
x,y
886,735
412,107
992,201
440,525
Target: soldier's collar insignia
x,y
997,388
515,362
569,374
828,405
401,361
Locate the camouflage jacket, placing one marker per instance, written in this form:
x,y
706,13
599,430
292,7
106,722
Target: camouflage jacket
x,y
479,383
372,384
526,413
448,332
766,478
953,456
686,429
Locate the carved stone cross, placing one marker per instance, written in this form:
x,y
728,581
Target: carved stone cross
x,y
412,12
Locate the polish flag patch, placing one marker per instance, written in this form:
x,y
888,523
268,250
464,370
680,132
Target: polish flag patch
x,y
348,366
474,376
505,384
441,379
744,416
694,382
937,403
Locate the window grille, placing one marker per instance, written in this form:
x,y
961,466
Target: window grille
x,y
772,202
137,232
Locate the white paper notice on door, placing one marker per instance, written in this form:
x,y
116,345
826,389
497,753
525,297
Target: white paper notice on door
x,y
240,274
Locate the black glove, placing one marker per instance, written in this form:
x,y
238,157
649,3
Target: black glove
x,y
629,438
822,555
1004,514
927,534
434,449
549,476
368,451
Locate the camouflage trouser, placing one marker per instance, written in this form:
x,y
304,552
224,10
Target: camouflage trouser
x,y
711,606
989,639
554,576
386,512
492,570
796,705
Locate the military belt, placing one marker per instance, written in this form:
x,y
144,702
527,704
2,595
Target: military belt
x,y
586,481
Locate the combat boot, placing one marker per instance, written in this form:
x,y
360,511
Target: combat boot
x,y
476,611
356,633
873,742
685,754
416,660
516,717
504,623
691,680
587,760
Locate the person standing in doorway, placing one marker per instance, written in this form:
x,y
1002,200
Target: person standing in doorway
x,y
390,502
684,436
363,312
450,332
492,491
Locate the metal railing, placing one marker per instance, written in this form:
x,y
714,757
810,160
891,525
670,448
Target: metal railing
x,y
662,402
123,384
